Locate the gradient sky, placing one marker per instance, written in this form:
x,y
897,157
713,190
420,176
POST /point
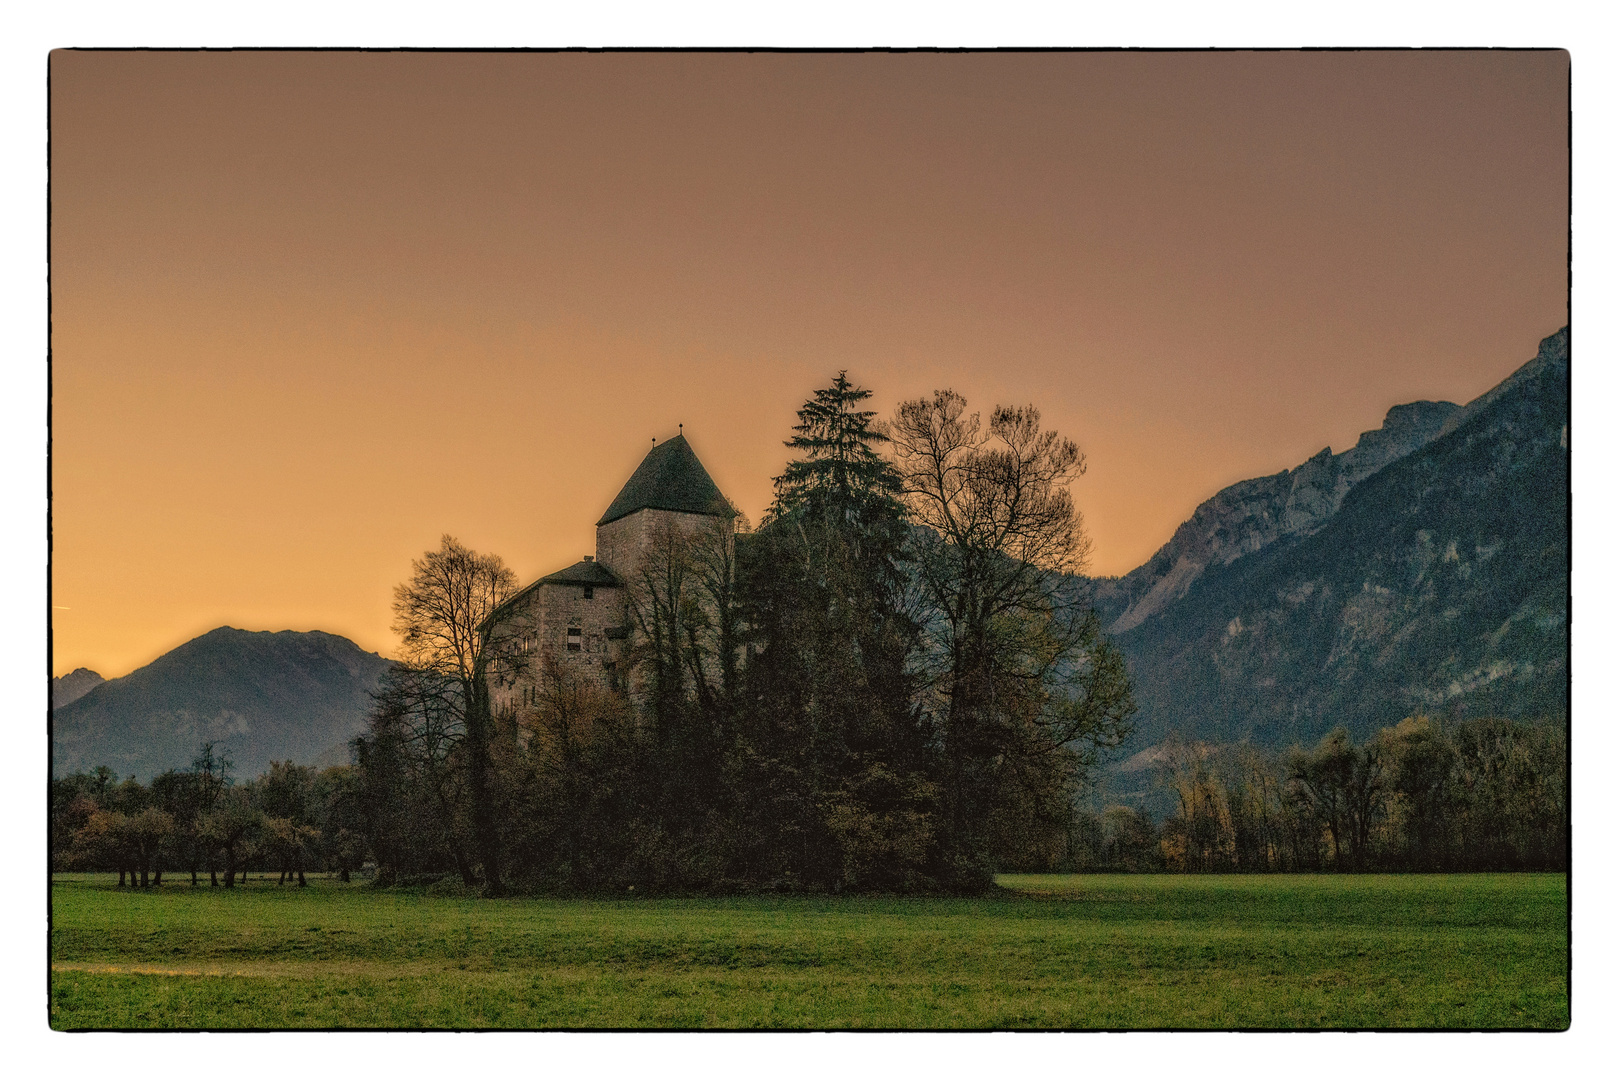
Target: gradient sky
x,y
310,311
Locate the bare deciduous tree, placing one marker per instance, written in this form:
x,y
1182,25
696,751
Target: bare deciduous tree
x,y
441,615
1019,662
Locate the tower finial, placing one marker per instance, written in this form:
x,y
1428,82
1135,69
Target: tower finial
x,y
682,429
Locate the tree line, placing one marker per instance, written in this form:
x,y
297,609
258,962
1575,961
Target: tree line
x,y
1480,794
857,695
291,819
1424,795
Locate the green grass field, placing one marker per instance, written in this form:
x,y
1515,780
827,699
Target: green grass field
x,y
1114,951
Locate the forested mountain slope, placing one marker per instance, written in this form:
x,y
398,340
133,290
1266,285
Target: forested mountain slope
x,y
1438,582
261,696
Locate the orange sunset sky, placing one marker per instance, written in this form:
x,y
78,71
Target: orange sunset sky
x,y
312,310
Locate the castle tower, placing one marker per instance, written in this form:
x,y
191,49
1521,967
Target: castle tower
x,y
670,487
580,616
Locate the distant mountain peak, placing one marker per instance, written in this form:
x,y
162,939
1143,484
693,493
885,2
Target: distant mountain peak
x,y
263,695
73,686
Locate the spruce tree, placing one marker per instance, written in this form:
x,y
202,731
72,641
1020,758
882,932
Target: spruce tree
x,y
833,727
841,479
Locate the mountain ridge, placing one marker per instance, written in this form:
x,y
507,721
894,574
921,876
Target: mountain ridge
x,y
1250,514
1437,583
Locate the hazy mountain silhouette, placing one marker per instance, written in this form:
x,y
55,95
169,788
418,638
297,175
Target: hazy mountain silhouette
x,y
261,696
1334,594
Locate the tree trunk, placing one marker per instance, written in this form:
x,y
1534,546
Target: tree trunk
x,y
468,878
462,865
120,877
343,874
971,791
479,786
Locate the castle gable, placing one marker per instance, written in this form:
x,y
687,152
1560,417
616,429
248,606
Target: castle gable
x,y
587,572
669,478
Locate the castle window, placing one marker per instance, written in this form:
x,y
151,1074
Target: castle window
x,y
590,592
575,639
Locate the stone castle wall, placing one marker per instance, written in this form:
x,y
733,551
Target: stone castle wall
x,y
542,621
622,545
544,616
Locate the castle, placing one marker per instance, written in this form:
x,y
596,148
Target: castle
x,y
580,616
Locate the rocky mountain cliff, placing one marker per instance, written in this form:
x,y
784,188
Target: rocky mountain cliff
x,y
73,686
1426,569
260,696
1253,514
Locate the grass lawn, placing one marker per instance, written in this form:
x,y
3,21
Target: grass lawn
x,y
1089,951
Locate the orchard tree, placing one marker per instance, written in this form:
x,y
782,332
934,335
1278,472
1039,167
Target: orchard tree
x,y
149,832
179,794
103,841
231,827
340,818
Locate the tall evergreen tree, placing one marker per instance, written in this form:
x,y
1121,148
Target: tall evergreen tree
x,y
841,477
832,729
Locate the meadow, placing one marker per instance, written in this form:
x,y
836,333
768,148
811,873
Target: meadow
x,y
1073,951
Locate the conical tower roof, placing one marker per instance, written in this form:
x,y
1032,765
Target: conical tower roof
x,y
670,478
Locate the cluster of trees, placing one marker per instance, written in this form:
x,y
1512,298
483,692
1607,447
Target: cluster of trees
x,y
892,675
1479,794
291,819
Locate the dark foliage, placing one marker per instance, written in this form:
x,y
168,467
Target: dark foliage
x,y
289,820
